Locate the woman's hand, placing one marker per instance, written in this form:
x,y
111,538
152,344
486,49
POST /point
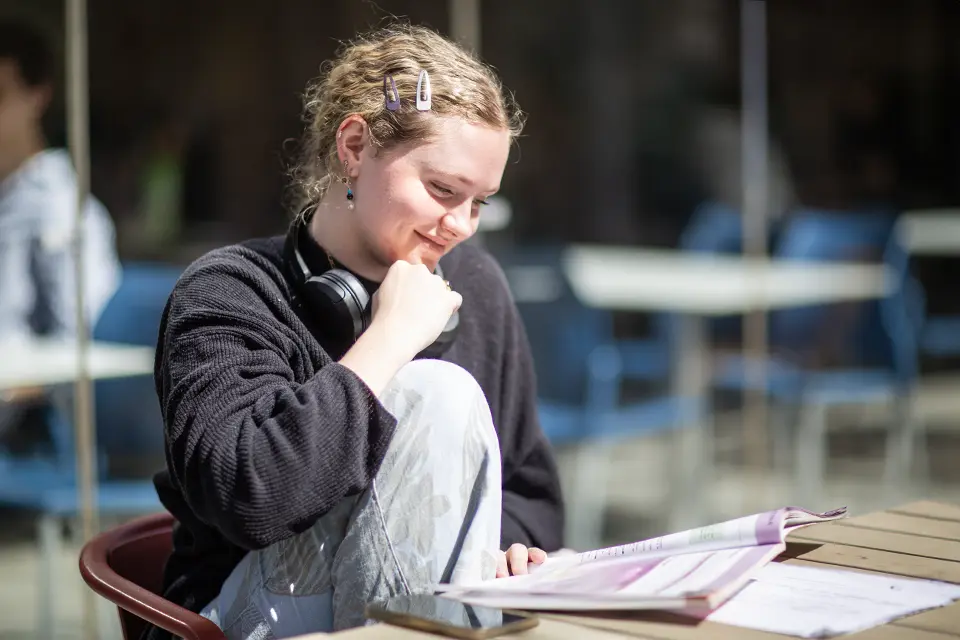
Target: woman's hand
x,y
410,310
413,305
513,561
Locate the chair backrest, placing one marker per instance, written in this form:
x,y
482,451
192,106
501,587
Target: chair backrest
x,y
713,228
125,566
562,331
817,234
862,236
129,423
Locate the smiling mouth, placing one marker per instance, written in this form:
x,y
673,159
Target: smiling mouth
x,y
436,245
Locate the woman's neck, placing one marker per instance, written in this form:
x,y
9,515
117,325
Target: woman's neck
x,y
335,228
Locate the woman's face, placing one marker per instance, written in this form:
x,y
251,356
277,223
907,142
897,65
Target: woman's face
x,y
416,203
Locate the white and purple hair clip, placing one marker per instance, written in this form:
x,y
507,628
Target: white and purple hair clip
x,y
392,96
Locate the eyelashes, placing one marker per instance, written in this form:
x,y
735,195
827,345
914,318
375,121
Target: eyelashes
x,y
444,192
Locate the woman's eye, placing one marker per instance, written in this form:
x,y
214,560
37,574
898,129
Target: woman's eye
x,y
442,190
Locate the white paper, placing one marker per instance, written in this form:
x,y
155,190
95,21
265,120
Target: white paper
x,y
814,602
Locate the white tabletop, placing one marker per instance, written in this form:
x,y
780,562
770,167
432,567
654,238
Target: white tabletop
x,y
932,232
43,363
636,279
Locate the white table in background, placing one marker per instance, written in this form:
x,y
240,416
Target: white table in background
x,y
41,363
697,287
932,232
48,363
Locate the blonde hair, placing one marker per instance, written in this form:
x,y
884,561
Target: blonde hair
x,y
353,83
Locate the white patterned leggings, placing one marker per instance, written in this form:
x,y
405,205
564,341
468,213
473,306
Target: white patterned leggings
x,y
431,514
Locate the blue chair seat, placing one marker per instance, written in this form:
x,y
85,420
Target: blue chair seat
x,y
23,481
645,359
941,336
781,378
789,383
569,424
849,386
115,497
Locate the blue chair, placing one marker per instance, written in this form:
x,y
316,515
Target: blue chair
x,y
128,424
580,368
941,336
717,228
714,228
880,361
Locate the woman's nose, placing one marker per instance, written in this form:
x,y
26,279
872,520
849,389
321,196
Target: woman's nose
x,y
457,222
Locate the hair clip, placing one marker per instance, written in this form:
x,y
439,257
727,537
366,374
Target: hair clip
x,y
390,93
424,95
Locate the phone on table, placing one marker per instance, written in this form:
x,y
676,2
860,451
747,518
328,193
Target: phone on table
x,y
436,614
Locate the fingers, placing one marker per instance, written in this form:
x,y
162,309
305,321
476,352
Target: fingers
x,y
502,571
537,556
517,558
514,560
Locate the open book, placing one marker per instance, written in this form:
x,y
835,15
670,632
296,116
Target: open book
x,y
691,570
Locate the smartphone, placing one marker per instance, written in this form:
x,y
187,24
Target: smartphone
x,y
435,614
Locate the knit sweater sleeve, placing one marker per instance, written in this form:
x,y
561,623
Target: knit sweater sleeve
x,y
257,454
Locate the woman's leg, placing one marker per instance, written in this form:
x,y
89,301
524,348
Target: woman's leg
x,y
431,514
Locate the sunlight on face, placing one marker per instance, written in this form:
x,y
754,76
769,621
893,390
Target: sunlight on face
x,y
419,202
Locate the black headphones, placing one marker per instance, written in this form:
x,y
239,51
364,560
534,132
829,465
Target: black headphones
x,y
340,299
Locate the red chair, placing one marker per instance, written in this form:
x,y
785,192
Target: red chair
x,y
125,566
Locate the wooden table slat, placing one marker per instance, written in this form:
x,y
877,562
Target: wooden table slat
x,y
894,632
875,560
883,540
945,620
901,523
930,509
660,626
548,628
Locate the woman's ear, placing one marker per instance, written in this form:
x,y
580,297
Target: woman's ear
x,y
352,138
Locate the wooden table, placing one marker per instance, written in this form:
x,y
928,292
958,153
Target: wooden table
x,y
920,540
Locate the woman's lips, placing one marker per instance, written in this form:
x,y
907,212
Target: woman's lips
x,y
432,243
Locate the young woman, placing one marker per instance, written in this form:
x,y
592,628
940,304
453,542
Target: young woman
x,y
350,409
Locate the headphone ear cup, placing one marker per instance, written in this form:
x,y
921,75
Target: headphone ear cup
x,y
338,294
445,339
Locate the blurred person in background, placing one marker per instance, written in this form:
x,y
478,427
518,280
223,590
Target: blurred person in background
x,y
350,409
38,201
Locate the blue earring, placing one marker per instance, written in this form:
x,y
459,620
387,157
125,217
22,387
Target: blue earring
x,y
346,181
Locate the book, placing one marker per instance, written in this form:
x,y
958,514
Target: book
x,y
693,570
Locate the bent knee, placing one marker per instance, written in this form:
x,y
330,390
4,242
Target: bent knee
x,y
439,400
438,376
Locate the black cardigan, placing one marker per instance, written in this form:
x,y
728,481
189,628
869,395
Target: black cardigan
x,y
265,431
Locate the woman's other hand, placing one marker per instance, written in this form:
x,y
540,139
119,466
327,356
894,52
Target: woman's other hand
x,y
514,561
